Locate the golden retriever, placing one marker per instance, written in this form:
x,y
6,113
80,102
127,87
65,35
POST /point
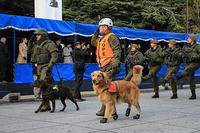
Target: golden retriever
x,y
128,92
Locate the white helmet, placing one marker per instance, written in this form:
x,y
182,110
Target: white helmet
x,y
106,21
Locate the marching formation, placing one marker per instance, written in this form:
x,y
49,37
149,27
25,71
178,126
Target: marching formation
x,y
172,56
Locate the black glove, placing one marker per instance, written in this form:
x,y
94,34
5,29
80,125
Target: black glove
x,y
49,70
97,31
34,69
115,63
24,58
32,39
194,58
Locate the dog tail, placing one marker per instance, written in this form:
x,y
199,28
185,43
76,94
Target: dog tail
x,y
137,74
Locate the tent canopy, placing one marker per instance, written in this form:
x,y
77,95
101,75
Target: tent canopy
x,y
63,28
67,28
132,34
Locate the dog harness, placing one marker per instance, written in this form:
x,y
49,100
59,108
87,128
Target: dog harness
x,y
114,88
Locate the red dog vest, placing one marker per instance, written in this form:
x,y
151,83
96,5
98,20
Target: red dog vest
x,y
114,87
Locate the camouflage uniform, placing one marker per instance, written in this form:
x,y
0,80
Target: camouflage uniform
x,y
112,68
154,66
193,63
132,59
44,54
173,62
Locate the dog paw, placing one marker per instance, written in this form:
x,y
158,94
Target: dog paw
x,y
51,111
61,110
104,120
137,116
36,111
115,116
128,112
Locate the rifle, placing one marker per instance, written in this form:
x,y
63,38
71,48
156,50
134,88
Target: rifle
x,y
130,61
61,79
186,55
170,53
149,58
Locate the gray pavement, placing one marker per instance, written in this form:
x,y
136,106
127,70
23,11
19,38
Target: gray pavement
x,y
163,115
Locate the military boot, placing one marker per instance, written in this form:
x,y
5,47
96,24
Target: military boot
x,y
174,96
156,95
101,112
193,95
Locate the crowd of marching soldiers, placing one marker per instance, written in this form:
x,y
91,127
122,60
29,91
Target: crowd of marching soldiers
x,y
172,56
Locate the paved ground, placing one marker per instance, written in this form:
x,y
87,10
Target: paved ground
x,y
161,115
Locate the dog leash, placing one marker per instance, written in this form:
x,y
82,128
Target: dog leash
x,y
61,79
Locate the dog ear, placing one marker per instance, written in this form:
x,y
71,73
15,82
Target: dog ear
x,y
107,80
32,84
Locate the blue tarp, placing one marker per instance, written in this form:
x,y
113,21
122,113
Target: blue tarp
x,y
66,28
132,34
63,28
23,72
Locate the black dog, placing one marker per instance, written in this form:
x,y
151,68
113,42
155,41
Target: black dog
x,y
52,93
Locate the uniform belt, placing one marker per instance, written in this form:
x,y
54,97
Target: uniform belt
x,y
172,65
67,55
156,64
102,60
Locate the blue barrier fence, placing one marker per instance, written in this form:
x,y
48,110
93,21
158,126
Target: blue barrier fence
x,y
23,72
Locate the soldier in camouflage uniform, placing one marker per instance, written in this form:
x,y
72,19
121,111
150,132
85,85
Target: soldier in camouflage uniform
x,y
192,56
135,57
44,54
173,59
113,63
154,56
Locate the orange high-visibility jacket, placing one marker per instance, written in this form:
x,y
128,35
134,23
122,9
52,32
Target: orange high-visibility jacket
x,y
104,53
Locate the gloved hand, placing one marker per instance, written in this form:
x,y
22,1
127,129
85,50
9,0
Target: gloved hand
x,y
115,63
97,32
32,38
49,70
193,58
24,58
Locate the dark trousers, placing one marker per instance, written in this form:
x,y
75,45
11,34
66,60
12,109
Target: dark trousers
x,y
189,71
170,71
153,75
78,83
3,69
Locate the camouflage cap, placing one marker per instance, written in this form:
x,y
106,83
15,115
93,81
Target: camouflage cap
x,y
78,43
154,41
134,45
172,42
193,37
41,31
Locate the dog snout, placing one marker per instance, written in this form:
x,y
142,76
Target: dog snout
x,y
93,81
32,84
